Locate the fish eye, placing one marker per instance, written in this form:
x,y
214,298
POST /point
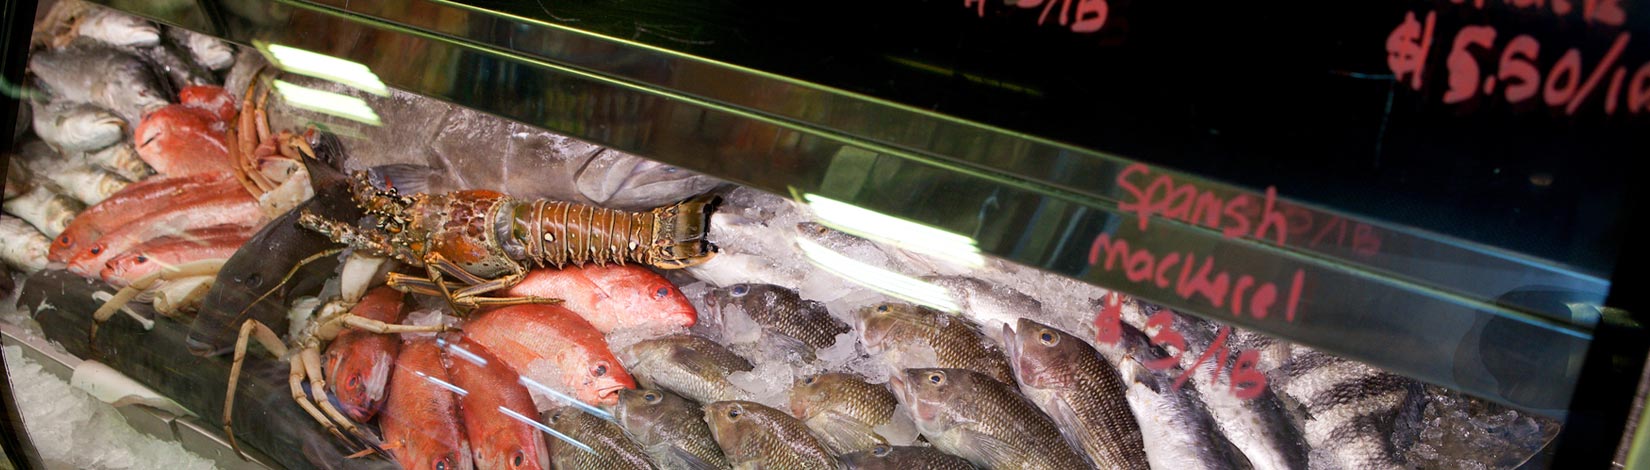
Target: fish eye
x,y
740,290
651,397
519,459
1048,338
936,378
733,413
441,464
808,381
599,370
97,250
142,259
881,450
64,239
882,308
354,381
661,293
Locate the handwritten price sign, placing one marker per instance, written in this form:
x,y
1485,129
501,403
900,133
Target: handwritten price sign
x,y
1081,16
1244,380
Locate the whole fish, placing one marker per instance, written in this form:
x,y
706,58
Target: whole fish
x,y
1070,381
1348,405
235,209
216,242
76,127
120,159
116,28
498,414
973,416
205,50
885,457
911,336
1258,426
72,176
420,421
992,305
1175,428
358,362
138,202
783,313
173,62
44,208
91,72
612,297
553,347
182,140
610,448
754,436
695,367
671,429
21,246
849,414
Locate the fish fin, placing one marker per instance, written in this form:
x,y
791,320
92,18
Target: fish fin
x,y
788,344
693,462
993,451
404,178
1073,430
843,434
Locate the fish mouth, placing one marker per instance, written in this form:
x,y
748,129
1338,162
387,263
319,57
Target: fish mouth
x,y
609,394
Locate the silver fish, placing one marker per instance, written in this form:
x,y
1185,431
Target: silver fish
x,y
885,457
173,63
77,127
45,209
1077,387
207,51
21,246
992,305
1177,431
973,416
92,72
1258,426
120,159
116,28
1347,407
18,178
83,182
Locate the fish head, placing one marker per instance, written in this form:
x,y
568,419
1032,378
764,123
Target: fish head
x,y
732,427
873,458
813,393
934,394
644,412
431,453
124,268
893,323
68,243
172,132
119,29
91,121
621,180
599,377
512,448
1043,356
357,367
89,262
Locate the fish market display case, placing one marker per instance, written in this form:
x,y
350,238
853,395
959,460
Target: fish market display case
x,y
1388,235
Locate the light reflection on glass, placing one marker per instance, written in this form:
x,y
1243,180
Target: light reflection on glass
x,y
443,384
325,67
547,430
461,352
326,102
888,282
901,233
565,398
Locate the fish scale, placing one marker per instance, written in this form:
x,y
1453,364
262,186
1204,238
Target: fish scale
x,y
754,436
1351,408
904,332
1071,382
845,411
784,311
610,448
973,416
670,428
904,458
695,367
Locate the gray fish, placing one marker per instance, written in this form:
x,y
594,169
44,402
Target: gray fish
x,y
884,457
975,417
76,127
779,311
1177,432
910,336
992,305
1077,387
44,208
849,414
172,61
92,72
73,176
1259,426
204,50
21,246
695,367
120,159
859,249
18,179
116,28
670,428
1350,409
754,436
610,448
616,179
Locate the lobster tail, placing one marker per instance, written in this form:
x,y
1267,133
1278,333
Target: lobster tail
x,y
679,232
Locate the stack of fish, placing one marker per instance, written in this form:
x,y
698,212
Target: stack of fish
x,y
104,117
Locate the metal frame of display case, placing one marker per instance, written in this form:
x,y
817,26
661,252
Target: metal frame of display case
x,y
1427,306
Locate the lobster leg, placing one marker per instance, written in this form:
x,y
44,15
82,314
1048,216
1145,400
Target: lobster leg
x,y
379,327
470,296
373,243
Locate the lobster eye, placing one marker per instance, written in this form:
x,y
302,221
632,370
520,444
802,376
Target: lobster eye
x,y
1048,338
740,290
936,378
651,397
661,293
881,450
599,370
519,459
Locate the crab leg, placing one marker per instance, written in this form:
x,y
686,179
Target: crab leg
x,y
254,329
125,295
310,357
